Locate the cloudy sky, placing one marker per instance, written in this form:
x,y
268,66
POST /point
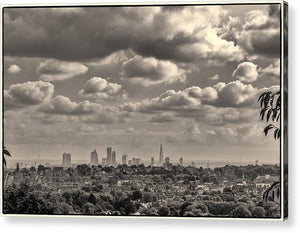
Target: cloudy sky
x,y
76,79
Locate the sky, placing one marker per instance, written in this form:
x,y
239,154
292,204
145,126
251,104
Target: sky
x,y
83,78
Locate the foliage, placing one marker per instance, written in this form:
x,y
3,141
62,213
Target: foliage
x,y
241,212
5,153
270,111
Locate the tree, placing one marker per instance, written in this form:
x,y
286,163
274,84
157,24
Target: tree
x,y
163,211
40,168
241,212
5,153
270,104
136,195
258,212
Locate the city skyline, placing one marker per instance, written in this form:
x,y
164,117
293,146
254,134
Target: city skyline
x,y
139,78
107,160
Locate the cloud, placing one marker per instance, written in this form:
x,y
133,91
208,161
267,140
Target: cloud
x,y
271,73
162,118
257,23
99,88
13,69
63,105
130,130
245,72
185,34
215,77
28,93
85,128
193,129
55,70
114,58
195,101
149,71
236,94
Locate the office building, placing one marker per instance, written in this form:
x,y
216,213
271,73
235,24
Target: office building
x,y
152,161
124,159
104,162
66,159
167,160
161,156
109,156
113,158
94,157
136,161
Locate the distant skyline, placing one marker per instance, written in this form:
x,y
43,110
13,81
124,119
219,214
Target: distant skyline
x,y
78,79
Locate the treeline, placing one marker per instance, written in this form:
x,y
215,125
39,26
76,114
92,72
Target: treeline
x,y
230,172
25,199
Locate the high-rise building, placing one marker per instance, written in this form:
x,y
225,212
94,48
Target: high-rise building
x,y
94,157
161,155
181,161
108,154
136,161
124,159
66,159
129,162
167,160
152,161
193,164
104,162
113,158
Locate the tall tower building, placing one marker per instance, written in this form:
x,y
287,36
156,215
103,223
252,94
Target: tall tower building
x,y
161,155
152,161
113,158
181,161
94,157
108,156
124,159
66,159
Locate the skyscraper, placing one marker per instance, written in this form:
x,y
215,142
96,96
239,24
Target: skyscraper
x,y
161,155
108,154
104,162
66,159
94,157
113,158
167,160
181,161
152,161
124,159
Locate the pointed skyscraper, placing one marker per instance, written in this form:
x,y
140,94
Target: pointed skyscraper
x,y
161,155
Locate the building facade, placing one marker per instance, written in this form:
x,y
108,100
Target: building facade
x,y
66,159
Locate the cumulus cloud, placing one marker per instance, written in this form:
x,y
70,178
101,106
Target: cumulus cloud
x,y
193,129
28,93
149,71
186,34
246,72
55,70
104,117
257,23
271,73
215,77
195,101
13,69
235,94
162,118
85,111
63,105
99,88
